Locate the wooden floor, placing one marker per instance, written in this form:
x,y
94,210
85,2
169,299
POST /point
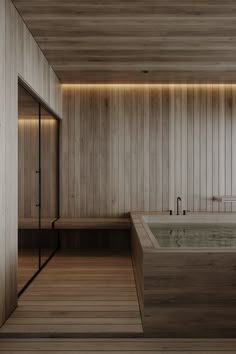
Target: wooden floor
x,y
79,295
84,295
27,266
117,346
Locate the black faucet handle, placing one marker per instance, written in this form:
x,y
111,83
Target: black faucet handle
x,y
186,211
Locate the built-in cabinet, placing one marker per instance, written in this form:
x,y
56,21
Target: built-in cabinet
x,y
38,181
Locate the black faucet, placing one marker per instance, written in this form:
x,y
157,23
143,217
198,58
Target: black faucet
x,y
178,200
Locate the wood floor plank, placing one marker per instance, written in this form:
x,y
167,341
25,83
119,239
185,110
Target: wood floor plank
x,y
80,303
119,352
72,321
98,308
76,314
71,329
86,297
137,346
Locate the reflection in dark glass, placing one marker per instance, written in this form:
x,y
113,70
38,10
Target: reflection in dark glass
x,y
28,181
38,180
49,180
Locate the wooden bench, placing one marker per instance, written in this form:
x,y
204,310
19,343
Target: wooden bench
x,y
94,233
75,223
92,223
33,223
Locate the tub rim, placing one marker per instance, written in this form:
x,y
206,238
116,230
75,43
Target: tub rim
x,y
150,243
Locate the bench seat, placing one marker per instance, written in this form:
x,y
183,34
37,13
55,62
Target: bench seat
x,y
92,223
33,223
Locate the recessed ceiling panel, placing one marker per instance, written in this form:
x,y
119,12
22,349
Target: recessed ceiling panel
x,y
91,41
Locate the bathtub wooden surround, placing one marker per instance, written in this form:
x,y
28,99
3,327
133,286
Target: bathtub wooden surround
x,y
185,293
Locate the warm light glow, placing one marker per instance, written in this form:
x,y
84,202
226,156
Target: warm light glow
x,y
209,85
36,120
25,120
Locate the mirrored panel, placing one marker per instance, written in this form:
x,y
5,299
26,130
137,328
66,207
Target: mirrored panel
x,y
38,186
28,186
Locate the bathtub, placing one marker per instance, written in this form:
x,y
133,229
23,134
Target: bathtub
x,y
185,271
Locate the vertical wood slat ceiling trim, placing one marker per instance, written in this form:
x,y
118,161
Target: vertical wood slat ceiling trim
x,y
174,142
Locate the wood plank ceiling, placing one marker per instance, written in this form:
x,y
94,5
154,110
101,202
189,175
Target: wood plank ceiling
x,y
126,41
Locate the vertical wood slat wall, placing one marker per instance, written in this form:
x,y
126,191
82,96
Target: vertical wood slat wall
x,y
19,55
139,147
2,162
